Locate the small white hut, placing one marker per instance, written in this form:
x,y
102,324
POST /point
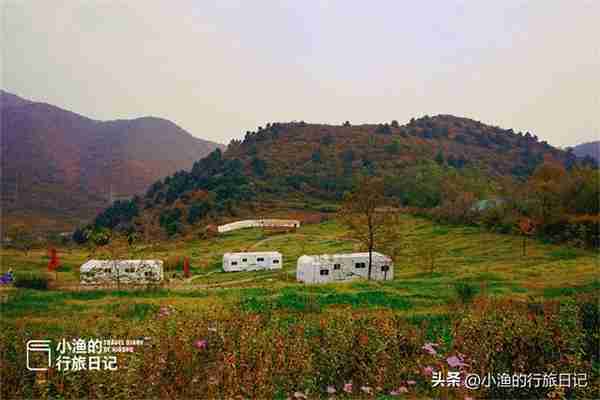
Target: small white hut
x,y
252,261
342,267
96,272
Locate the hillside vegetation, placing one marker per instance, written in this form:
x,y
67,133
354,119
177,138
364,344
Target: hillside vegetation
x,y
440,166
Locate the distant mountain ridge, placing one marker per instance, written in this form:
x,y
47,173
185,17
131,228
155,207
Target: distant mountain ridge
x,y
591,149
59,165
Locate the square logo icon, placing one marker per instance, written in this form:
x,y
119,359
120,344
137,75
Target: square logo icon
x,y
39,355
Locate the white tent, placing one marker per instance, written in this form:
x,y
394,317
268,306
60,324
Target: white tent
x,y
95,272
252,261
259,223
341,267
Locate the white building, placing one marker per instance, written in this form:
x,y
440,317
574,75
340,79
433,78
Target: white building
x,y
252,261
259,223
95,272
341,267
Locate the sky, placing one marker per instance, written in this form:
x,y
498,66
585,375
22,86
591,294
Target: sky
x,y
221,68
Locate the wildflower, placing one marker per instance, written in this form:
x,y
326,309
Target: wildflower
x,y
428,370
366,389
411,382
455,362
200,344
399,391
299,395
164,311
348,387
428,347
330,389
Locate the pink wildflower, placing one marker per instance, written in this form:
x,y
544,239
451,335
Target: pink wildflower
x,y
411,382
348,388
428,370
428,347
200,344
455,362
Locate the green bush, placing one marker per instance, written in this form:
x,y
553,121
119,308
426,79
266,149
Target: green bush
x,y
31,281
465,291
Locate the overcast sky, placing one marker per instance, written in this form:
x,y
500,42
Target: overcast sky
x,y
219,68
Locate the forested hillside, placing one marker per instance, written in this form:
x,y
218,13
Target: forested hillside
x,y
441,165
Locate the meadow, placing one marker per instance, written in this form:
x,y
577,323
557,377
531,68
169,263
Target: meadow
x,y
263,335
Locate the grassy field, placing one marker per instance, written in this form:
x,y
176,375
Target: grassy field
x,y
491,264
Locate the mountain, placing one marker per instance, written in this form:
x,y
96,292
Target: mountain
x,y
59,167
590,149
303,165
390,147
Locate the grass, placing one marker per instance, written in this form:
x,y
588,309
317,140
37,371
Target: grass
x,y
478,258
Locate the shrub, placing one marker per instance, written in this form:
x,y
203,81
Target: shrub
x,y
31,281
465,291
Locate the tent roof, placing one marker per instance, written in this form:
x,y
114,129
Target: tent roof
x,y
91,264
253,253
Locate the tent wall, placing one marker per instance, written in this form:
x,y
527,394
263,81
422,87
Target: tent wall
x,y
252,261
343,267
96,272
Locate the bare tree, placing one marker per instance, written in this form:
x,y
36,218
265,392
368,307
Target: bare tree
x,y
526,228
365,214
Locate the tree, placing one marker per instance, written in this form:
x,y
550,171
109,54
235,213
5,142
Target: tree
x,y
393,147
439,158
100,236
259,166
364,214
81,235
526,228
316,156
547,185
22,237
